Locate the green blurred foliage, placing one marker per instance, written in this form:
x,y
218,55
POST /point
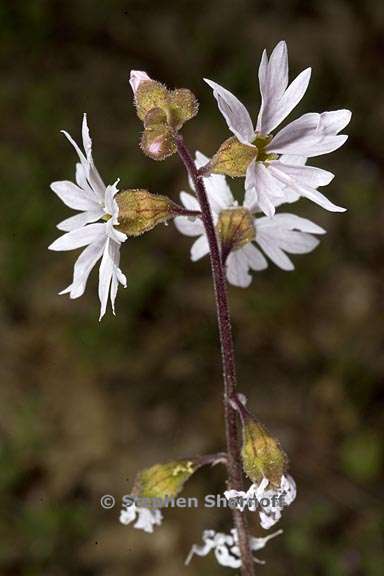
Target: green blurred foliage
x,y
83,406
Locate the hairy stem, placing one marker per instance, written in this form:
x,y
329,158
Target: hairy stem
x,y
235,473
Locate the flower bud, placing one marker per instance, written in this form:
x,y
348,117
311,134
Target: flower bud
x,y
140,211
136,77
149,95
172,107
158,140
235,228
261,454
164,480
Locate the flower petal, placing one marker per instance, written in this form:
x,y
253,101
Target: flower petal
x,y
306,175
79,237
188,226
83,266
295,242
80,220
294,222
235,113
118,277
274,252
225,558
255,258
200,248
319,198
237,269
189,201
280,109
305,191
277,100
286,232
73,196
261,188
310,135
93,177
109,275
333,122
105,278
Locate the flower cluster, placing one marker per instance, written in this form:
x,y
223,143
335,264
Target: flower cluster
x,y
274,166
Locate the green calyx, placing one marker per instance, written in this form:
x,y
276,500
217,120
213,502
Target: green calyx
x,y
261,454
140,211
233,157
164,480
235,228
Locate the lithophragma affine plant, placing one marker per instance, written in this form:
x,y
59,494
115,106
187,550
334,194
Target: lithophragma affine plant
x,y
239,239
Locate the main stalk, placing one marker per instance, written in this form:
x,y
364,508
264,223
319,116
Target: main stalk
x,y
233,440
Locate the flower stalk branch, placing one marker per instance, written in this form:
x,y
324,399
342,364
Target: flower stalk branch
x,y
233,440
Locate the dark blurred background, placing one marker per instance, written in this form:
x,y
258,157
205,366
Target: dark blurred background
x,y
85,405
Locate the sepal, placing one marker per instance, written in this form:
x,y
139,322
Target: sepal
x,y
235,228
261,453
231,159
140,211
168,480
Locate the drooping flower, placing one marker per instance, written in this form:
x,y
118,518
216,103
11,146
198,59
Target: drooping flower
x,y
239,231
226,547
277,164
267,500
146,519
94,201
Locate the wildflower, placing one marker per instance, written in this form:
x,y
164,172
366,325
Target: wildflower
x,y
226,547
268,500
275,165
146,519
95,201
276,235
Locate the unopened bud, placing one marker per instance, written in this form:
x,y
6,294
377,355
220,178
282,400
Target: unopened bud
x,y
235,228
140,211
136,77
158,141
261,454
182,106
177,106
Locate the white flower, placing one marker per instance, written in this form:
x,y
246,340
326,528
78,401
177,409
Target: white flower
x,y
226,548
275,235
136,78
94,201
266,499
146,519
281,171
